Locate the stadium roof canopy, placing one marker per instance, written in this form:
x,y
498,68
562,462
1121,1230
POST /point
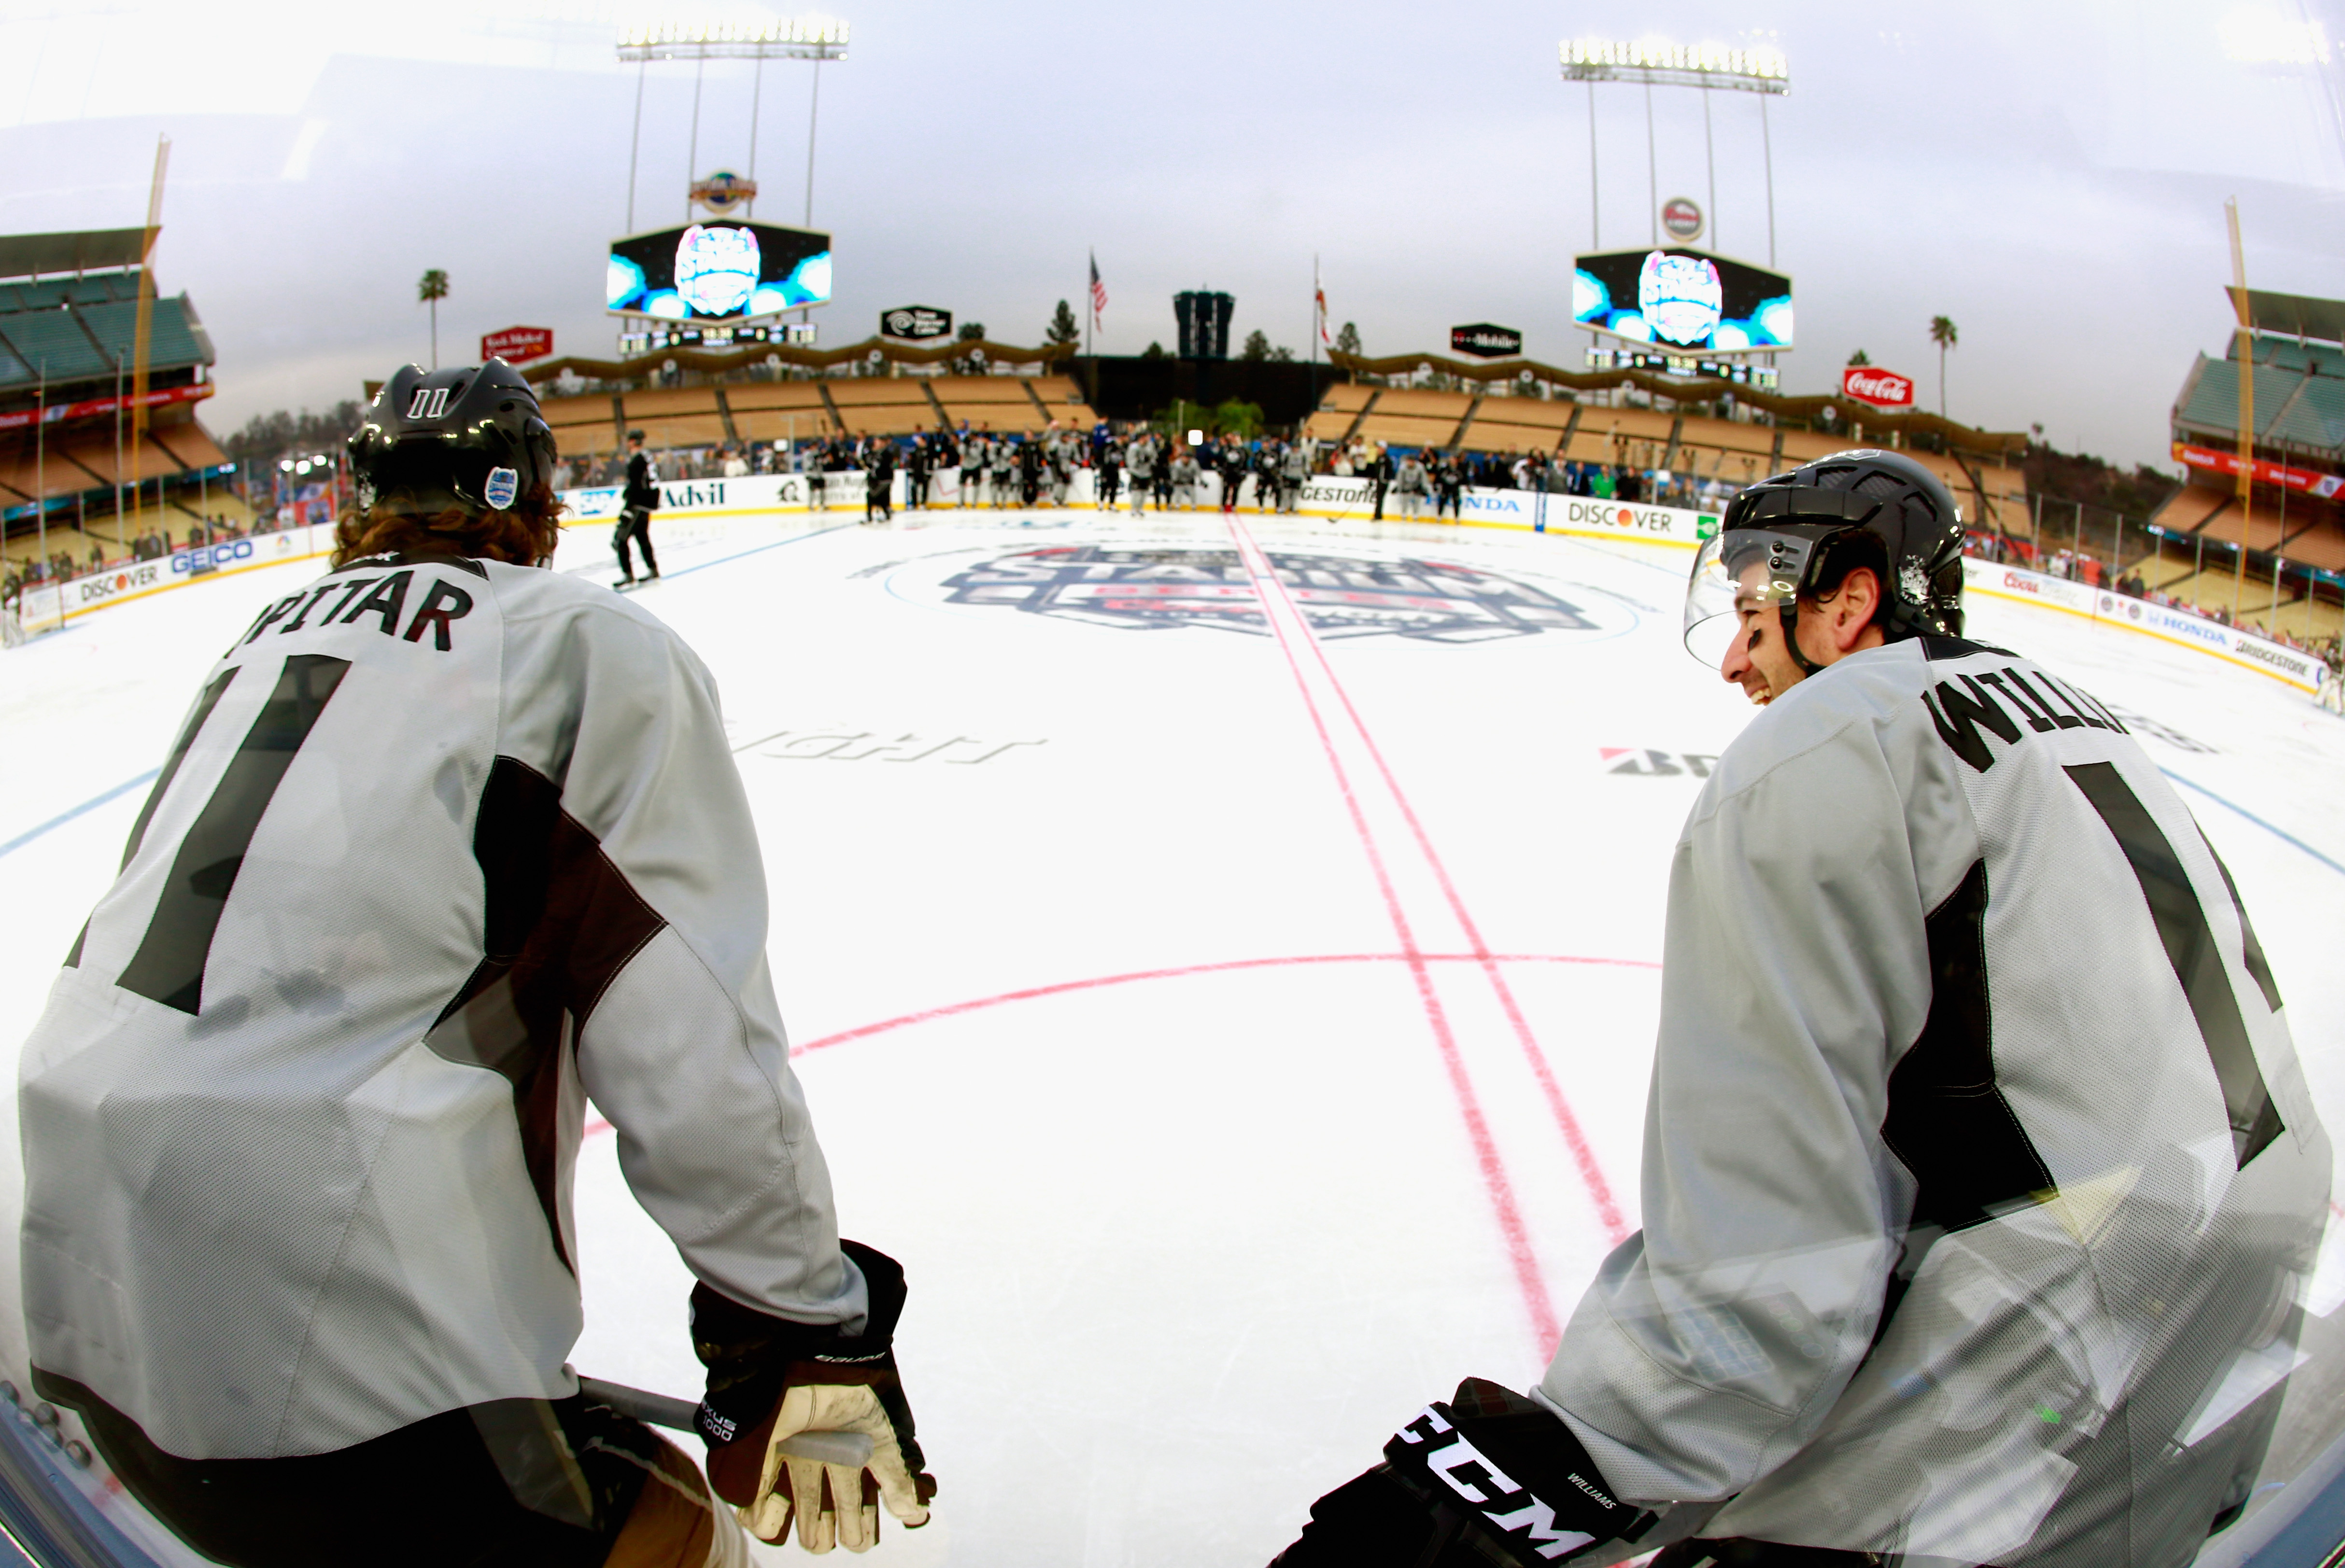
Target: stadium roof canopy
x,y
2291,315
25,254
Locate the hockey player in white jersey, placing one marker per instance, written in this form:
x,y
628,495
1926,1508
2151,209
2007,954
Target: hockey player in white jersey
x,y
446,845
1980,1175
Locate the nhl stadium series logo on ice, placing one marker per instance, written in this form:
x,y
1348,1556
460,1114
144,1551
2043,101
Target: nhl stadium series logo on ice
x,y
1137,589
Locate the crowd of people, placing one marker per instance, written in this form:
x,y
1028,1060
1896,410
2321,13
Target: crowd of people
x,y
1140,465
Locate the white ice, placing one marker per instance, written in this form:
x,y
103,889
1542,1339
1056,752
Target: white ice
x,y
1197,1219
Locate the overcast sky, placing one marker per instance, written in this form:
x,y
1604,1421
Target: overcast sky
x,y
2049,173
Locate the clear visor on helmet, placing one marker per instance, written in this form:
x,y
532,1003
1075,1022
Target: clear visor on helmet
x,y
1735,571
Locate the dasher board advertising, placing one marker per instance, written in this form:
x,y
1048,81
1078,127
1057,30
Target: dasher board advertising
x,y
1683,298
718,271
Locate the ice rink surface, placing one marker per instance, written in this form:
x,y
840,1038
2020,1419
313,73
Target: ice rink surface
x,y
1222,959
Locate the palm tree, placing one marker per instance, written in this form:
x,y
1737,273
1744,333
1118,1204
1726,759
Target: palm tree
x,y
432,289
1943,333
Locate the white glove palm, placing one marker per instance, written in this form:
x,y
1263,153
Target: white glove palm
x,y
832,1502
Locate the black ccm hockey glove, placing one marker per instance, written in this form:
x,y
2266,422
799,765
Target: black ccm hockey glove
x,y
1489,1478
806,1425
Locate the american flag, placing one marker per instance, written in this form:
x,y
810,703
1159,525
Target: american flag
x,y
1319,298
1099,290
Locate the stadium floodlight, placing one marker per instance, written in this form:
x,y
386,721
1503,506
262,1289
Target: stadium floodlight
x,y
1658,63
812,37
809,37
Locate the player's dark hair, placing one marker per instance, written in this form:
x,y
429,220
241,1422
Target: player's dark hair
x,y
1845,552
524,536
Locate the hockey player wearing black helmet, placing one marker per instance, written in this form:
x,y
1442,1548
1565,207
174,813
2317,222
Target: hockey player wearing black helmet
x,y
1846,554
446,845
1979,1164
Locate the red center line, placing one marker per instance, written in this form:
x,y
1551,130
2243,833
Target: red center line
x,y
1495,1180
1583,1154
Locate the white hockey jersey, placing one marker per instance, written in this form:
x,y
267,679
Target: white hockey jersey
x,y
444,847
1980,1175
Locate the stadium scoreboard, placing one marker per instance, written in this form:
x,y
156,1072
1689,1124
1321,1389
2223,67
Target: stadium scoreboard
x,y
716,272
1682,301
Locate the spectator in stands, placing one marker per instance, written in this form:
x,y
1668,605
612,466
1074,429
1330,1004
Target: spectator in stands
x,y
736,466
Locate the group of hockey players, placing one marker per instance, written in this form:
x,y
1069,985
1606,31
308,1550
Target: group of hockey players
x,y
1977,1155
1137,468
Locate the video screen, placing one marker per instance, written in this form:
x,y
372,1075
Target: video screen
x,y
718,271
1683,298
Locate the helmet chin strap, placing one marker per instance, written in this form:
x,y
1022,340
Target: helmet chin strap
x,y
1790,617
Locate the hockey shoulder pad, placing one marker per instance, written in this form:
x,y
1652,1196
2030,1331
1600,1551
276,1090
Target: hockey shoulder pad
x,y
1527,1486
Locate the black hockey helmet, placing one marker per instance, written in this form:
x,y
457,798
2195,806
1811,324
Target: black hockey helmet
x,y
1788,527
471,437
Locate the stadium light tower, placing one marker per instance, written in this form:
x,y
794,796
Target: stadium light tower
x,y
809,37
1656,63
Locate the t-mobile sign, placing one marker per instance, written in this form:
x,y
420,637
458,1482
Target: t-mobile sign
x,y
1882,388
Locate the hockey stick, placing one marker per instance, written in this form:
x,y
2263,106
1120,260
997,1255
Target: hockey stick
x,y
851,1449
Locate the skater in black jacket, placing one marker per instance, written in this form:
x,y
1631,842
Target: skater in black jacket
x,y
636,503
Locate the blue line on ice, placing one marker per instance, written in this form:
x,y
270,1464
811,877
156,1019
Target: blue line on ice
x,y
22,839
2229,806
760,550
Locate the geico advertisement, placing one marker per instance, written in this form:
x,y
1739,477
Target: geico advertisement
x,y
210,558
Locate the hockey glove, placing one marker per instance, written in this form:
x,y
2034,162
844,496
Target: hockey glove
x,y
809,1426
1488,1479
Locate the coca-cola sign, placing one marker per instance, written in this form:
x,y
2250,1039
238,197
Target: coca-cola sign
x,y
1882,388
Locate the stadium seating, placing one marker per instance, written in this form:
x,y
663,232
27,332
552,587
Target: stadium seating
x,y
1064,399
52,343
778,410
999,404
882,405
2191,506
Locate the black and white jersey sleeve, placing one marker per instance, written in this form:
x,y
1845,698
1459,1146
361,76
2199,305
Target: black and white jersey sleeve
x,y
443,848
1980,1177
